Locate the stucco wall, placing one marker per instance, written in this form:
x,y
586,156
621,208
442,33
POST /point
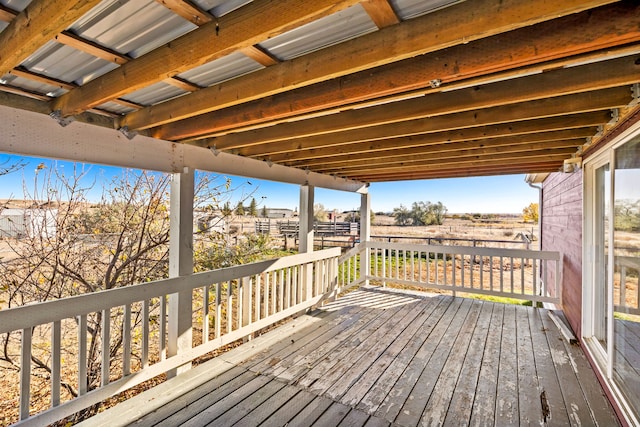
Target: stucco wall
x,y
562,231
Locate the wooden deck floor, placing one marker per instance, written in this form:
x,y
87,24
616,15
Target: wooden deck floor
x,y
377,358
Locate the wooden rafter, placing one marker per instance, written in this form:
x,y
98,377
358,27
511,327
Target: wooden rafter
x,y
559,109
72,40
26,74
187,10
618,72
381,12
541,156
36,25
7,14
421,148
509,152
243,27
433,173
530,45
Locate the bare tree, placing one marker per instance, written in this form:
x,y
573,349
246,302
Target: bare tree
x,y
75,246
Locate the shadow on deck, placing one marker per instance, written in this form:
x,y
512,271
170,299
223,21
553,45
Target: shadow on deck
x,y
377,357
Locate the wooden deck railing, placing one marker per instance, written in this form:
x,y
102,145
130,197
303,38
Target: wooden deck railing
x,y
513,273
230,303
627,298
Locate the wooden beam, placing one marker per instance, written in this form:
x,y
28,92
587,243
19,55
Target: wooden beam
x,y
182,84
42,137
458,173
36,25
535,157
187,10
259,55
243,27
460,157
502,143
26,74
548,42
380,12
522,127
618,72
7,14
67,38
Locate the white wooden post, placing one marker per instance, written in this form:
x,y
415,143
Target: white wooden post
x,y
180,263
365,236
305,236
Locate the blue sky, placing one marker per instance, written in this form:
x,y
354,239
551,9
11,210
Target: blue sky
x,y
499,194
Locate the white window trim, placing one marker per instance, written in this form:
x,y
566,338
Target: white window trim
x,y
601,156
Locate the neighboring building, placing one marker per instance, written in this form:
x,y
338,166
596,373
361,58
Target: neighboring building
x,y
279,213
207,223
21,223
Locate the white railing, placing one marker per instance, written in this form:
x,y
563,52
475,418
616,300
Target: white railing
x,y
627,297
514,273
226,305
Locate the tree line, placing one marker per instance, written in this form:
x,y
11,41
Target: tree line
x,y
421,213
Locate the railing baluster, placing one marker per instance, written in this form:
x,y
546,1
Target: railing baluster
x,y
126,340
145,333
281,290
534,275
106,346
501,273
404,264
56,361
397,264
82,354
25,373
384,266
511,273
453,273
229,306
491,273
163,327
205,313
522,265
294,285
258,303
481,272
218,309
274,294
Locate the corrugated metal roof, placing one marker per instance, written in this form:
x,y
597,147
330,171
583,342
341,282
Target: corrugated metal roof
x,y
17,5
407,9
132,28
341,26
153,94
66,63
222,69
33,86
115,108
220,7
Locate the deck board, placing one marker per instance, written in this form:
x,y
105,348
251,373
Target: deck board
x,y
378,358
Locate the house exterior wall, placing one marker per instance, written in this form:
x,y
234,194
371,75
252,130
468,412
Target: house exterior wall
x,y
562,231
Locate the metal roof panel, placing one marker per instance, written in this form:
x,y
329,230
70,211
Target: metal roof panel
x,y
407,9
221,69
220,7
154,94
67,64
132,28
341,26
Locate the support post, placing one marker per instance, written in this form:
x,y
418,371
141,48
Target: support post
x,y
180,264
365,236
306,235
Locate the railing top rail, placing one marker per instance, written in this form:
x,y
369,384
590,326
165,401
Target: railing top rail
x,y
467,250
30,315
452,239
